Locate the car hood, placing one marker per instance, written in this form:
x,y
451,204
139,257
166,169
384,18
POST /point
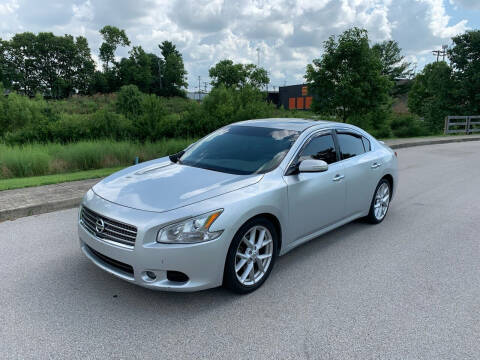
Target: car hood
x,y
161,185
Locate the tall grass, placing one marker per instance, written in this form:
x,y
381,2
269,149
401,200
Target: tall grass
x,y
46,159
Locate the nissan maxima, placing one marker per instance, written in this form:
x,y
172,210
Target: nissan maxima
x,y
221,211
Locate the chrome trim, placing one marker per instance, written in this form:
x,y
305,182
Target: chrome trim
x,y
115,232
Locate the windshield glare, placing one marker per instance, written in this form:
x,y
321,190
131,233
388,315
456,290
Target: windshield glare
x,y
241,149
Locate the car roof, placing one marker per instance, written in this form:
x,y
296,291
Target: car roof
x,y
296,124
286,123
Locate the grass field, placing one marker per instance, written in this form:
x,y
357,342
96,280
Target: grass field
x,y
18,183
54,159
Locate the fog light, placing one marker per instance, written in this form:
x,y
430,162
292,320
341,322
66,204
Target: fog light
x,y
150,275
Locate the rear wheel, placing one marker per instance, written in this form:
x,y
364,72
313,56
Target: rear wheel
x,y
251,256
380,202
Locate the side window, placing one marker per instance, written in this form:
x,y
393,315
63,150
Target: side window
x,y
350,145
366,144
320,148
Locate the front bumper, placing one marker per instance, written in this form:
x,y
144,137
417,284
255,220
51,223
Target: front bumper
x,y
203,263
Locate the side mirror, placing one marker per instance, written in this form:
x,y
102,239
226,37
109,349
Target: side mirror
x,y
174,158
311,165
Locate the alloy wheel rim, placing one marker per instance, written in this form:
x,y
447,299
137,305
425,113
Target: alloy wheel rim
x,y
382,200
254,255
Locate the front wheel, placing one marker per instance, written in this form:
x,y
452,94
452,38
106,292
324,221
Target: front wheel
x,y
380,202
251,256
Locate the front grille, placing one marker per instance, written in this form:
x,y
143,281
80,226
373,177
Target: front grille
x,y
109,261
113,230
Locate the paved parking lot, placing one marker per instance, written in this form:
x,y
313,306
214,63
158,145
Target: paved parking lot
x,y
407,288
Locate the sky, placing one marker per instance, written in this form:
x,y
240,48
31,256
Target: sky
x,y
287,33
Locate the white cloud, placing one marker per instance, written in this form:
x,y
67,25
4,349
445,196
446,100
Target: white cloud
x,y
290,33
8,7
439,20
468,4
84,12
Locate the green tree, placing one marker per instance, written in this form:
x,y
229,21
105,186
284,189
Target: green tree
x,y
113,37
393,62
348,79
173,76
433,94
19,57
465,60
84,65
137,69
3,67
226,73
56,66
236,76
394,65
257,77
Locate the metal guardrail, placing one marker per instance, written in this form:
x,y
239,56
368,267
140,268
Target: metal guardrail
x,y
467,126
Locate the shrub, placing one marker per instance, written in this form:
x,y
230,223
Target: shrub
x,y
375,122
104,124
129,101
176,105
19,112
70,127
79,104
146,124
224,106
404,125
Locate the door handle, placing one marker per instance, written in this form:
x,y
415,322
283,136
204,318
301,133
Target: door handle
x,y
375,165
338,177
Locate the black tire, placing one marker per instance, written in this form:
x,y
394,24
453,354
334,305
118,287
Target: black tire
x,y
230,280
371,217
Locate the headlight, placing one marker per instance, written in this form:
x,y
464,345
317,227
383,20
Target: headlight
x,y
192,230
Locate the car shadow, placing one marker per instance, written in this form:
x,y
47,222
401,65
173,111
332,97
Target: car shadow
x,y
82,286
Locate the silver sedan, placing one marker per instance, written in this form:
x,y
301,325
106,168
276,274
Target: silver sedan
x,y
222,210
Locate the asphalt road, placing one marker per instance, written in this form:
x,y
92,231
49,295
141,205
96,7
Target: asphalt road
x,y
408,288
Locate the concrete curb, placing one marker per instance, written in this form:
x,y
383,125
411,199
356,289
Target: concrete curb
x,y
12,214
431,142
71,202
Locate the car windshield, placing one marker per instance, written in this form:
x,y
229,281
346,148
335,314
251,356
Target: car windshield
x,y
240,149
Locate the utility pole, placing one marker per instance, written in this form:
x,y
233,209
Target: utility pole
x,y
205,84
199,88
441,53
160,72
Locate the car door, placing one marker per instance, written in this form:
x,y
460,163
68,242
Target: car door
x,y
315,199
359,167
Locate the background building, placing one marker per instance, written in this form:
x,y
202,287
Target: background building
x,y
295,97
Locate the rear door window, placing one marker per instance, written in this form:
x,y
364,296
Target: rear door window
x,y
366,144
350,145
